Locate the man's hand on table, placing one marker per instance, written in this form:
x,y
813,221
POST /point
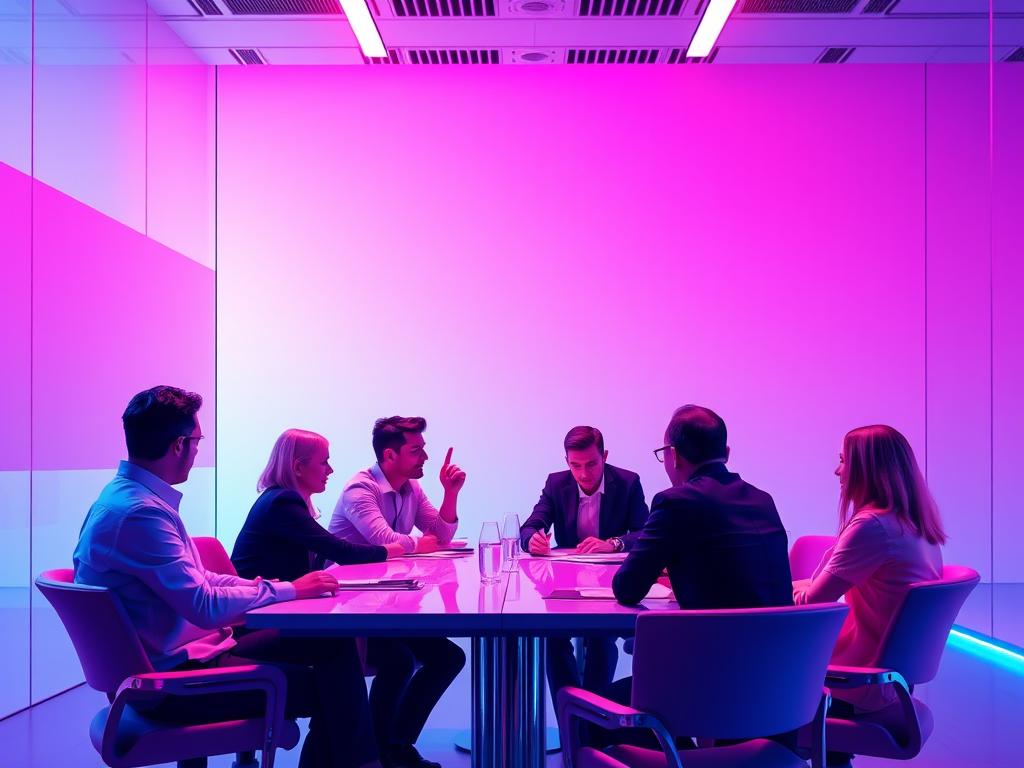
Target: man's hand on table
x,y
314,584
426,543
594,546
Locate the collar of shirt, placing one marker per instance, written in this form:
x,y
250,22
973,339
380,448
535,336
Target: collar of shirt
x,y
144,477
598,492
385,486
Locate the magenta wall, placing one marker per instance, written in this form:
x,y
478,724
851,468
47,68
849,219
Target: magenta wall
x,y
511,252
106,205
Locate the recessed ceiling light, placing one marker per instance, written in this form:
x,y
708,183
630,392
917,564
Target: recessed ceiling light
x,y
537,6
365,29
711,23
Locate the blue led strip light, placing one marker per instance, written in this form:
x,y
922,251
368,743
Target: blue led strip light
x,y
988,648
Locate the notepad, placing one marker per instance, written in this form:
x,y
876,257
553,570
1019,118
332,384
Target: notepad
x,y
656,592
378,585
442,554
603,558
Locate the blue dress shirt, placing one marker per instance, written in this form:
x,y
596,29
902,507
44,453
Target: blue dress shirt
x,y
134,543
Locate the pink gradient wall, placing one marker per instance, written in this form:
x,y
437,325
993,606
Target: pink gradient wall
x,y
1008,351
510,252
106,182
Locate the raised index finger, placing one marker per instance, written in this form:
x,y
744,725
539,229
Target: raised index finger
x,y
448,458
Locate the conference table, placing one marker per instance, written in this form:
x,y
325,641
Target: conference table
x,y
506,621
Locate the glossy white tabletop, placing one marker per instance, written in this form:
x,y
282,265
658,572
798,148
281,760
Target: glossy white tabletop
x,y
453,602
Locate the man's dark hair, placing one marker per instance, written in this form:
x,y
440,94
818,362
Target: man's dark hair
x,y
390,432
156,418
581,438
697,434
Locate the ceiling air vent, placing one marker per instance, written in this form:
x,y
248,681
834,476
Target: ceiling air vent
x,y
391,59
453,56
798,6
834,55
611,55
247,56
206,7
678,56
444,8
284,7
879,6
624,8
1016,55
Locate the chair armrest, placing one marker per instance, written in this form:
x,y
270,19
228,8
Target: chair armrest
x,y
262,678
855,677
193,682
576,704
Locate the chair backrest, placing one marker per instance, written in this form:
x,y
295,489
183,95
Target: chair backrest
x,y
108,647
806,553
734,674
916,636
215,558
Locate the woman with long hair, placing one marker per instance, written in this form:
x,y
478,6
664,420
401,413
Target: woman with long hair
x,y
890,536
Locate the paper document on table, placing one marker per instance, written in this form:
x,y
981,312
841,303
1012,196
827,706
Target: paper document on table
x,y
442,553
656,592
379,584
592,558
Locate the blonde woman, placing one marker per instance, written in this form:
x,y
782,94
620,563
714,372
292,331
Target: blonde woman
x,y
281,538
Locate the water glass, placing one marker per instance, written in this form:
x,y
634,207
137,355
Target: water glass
x,y
510,542
489,552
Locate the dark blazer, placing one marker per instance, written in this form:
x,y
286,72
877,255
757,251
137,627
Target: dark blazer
x,y
280,540
623,509
721,540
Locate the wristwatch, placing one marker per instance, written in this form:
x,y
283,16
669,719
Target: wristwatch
x,y
617,543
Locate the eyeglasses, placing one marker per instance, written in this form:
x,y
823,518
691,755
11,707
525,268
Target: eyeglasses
x,y
186,438
659,453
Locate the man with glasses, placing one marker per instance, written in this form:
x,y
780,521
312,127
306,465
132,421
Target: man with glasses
x,y
595,508
720,538
134,543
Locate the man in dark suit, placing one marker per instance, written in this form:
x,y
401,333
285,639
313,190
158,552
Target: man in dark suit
x,y
596,508
720,538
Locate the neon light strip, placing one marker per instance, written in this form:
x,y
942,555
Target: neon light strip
x,y
711,23
365,28
987,648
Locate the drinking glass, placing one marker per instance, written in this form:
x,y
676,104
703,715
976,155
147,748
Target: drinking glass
x,y
489,552
510,542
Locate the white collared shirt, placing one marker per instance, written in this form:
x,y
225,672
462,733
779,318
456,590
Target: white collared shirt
x,y
370,511
588,517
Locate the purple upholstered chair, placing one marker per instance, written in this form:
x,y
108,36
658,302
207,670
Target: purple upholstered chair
x,y
910,653
213,555
806,553
115,663
731,674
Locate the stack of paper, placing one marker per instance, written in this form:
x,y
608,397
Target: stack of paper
x,y
606,558
443,553
379,585
656,592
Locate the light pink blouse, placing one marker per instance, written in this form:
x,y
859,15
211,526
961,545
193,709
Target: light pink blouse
x,y
881,557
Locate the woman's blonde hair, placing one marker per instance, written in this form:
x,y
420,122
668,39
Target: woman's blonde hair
x,y
294,445
882,473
